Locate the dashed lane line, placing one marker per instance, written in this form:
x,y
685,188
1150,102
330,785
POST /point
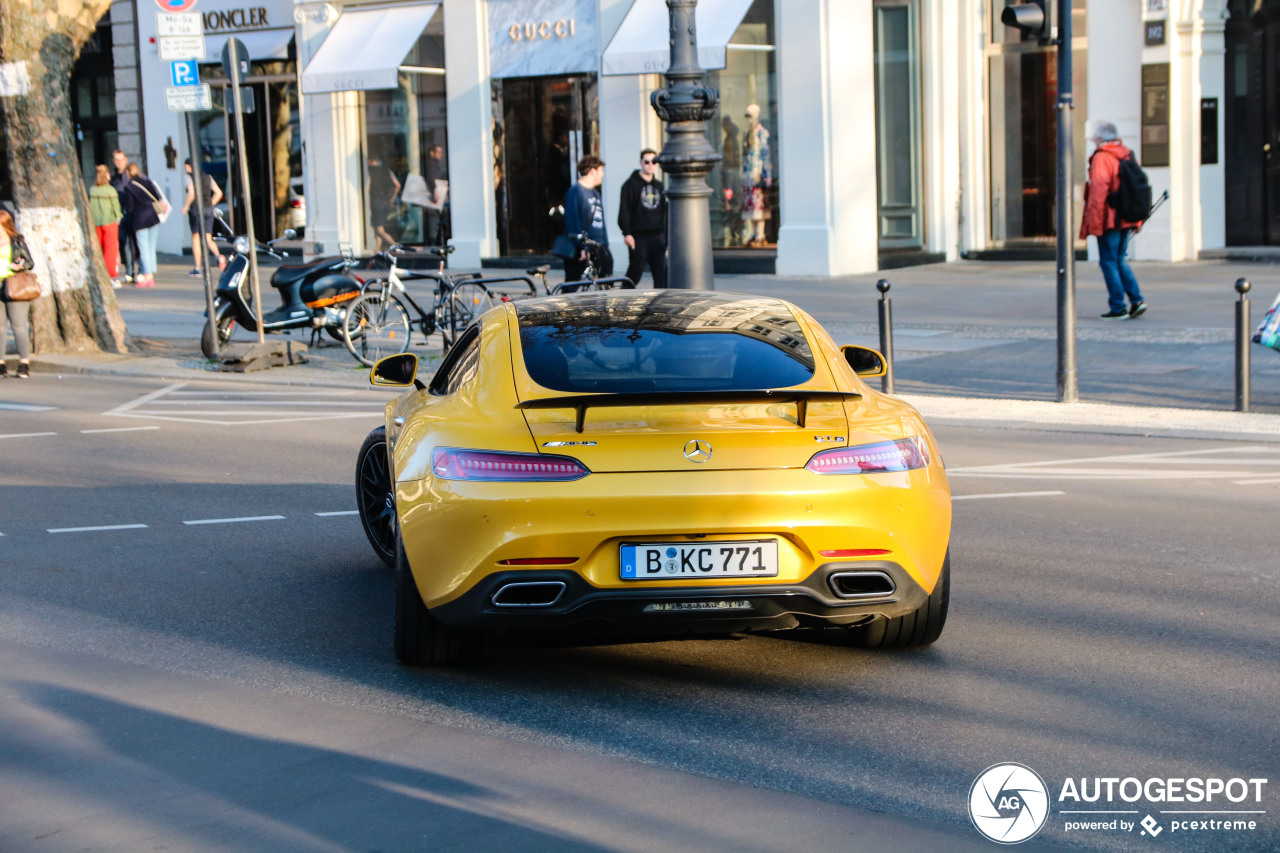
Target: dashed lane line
x,y
118,429
343,512
27,434
96,529
26,407
1005,495
235,520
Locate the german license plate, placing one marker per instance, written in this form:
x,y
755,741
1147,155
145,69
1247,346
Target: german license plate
x,y
670,561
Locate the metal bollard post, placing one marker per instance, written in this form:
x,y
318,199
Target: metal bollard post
x,y
886,335
1243,334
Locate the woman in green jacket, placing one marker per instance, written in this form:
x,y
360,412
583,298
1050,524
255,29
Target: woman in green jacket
x,y
104,207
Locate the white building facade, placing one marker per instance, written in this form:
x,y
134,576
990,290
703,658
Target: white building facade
x,y
884,132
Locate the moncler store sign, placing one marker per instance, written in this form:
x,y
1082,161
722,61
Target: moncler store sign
x,y
533,38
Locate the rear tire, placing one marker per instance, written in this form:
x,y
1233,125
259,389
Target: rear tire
x,y
913,630
375,497
420,639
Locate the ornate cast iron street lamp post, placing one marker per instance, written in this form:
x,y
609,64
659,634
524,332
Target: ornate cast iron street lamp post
x,y
685,105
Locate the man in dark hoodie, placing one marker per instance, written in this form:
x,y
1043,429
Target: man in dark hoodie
x,y
642,216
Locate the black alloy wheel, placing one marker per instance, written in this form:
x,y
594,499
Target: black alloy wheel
x,y
374,496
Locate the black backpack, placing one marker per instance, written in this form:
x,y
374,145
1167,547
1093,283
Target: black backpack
x,y
1132,201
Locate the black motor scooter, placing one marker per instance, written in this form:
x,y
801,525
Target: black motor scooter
x,y
313,295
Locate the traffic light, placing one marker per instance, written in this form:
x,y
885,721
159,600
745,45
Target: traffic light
x,y
1034,19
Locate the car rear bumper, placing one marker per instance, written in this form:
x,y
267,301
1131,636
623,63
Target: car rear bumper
x,y
562,599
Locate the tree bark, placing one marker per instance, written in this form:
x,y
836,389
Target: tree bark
x,y
39,43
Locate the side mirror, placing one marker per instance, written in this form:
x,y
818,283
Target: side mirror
x,y
290,234
865,361
396,371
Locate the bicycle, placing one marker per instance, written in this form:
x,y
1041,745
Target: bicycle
x,y
589,281
378,323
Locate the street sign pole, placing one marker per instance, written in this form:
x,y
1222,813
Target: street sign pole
x,y
1068,380
233,53
197,179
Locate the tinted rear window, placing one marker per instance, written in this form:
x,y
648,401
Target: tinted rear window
x,y
636,342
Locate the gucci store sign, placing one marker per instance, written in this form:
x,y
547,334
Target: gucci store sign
x,y
531,38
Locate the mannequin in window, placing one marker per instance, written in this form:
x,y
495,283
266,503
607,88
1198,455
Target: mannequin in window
x,y
757,176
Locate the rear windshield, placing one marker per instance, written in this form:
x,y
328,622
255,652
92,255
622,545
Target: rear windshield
x,y
634,342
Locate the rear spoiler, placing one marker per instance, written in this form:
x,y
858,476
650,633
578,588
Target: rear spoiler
x,y
580,403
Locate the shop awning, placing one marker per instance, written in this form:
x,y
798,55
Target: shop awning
x,y
642,44
261,44
365,49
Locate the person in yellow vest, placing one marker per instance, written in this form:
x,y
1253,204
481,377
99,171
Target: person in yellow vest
x,y
14,257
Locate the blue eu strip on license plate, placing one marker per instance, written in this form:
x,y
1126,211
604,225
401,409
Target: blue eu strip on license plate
x,y
689,560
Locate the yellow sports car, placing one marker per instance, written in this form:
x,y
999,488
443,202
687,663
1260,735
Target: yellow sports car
x,y
653,462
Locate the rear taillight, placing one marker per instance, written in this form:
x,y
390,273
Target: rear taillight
x,y
450,463
878,458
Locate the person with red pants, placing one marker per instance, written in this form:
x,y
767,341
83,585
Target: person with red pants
x,y
104,208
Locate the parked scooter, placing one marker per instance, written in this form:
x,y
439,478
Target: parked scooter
x,y
312,295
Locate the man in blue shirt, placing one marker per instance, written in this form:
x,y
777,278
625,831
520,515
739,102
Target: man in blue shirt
x,y
584,212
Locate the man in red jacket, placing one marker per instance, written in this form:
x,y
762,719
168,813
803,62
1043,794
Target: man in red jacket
x,y
1112,233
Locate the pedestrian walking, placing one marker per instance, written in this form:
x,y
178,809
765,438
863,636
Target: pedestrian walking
x,y
584,213
129,251
212,194
14,257
642,216
381,188
1111,232
105,210
145,204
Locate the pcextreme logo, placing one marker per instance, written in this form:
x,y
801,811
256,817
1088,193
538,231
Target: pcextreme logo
x,y
1009,803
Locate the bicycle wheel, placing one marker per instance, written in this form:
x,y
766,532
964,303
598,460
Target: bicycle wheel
x,y
376,326
467,301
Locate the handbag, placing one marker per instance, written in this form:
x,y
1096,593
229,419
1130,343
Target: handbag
x,y
159,205
1268,333
565,247
21,287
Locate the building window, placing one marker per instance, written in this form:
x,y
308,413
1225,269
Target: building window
x,y
897,67
744,204
1022,93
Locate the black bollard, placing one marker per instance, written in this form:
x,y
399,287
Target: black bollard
x,y
886,335
1244,332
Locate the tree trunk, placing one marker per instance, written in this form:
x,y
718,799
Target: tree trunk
x,y
39,43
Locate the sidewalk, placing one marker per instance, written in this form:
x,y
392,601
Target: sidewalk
x,y
974,343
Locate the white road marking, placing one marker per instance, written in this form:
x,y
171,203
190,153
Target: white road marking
x,y
1004,495
235,520
92,529
241,408
344,512
118,429
1191,465
1254,482
144,399
26,407
27,434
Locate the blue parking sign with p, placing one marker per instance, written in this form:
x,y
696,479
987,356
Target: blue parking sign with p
x,y
184,73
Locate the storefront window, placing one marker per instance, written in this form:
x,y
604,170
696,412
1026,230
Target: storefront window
x,y
1022,80
744,204
406,149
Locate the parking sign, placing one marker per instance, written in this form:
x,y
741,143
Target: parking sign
x,y
184,73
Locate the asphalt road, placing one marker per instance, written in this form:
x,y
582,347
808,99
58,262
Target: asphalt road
x,y
195,654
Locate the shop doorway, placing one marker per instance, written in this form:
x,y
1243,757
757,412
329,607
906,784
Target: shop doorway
x,y
1252,162
1022,80
273,143
542,127
898,132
